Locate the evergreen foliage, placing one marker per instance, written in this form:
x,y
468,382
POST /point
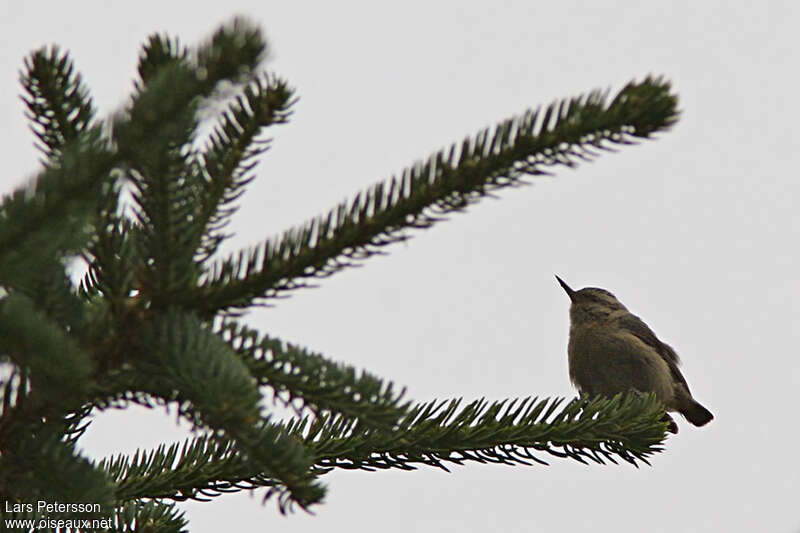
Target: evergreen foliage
x,y
154,320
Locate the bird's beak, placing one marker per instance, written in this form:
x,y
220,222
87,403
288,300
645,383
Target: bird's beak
x,y
566,288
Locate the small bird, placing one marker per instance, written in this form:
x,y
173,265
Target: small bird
x,y
611,351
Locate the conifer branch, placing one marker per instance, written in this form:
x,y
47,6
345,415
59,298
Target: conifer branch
x,y
158,52
176,472
178,353
135,516
295,374
56,363
433,434
53,214
234,52
59,106
153,137
508,432
199,469
214,388
153,143
230,155
41,455
565,133
50,216
113,263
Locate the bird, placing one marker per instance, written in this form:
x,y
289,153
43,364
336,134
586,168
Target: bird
x,y
611,350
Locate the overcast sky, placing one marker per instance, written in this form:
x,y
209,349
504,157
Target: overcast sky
x,y
696,232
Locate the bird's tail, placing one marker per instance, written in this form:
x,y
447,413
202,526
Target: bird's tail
x,y
697,414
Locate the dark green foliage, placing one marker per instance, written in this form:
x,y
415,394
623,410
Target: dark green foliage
x,y
27,336
135,517
434,433
230,155
293,374
59,106
563,134
438,432
178,350
52,215
42,467
150,323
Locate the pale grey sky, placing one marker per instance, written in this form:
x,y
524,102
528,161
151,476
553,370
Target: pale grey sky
x,y
697,232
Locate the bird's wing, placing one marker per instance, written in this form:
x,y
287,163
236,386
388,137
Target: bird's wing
x,y
642,331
